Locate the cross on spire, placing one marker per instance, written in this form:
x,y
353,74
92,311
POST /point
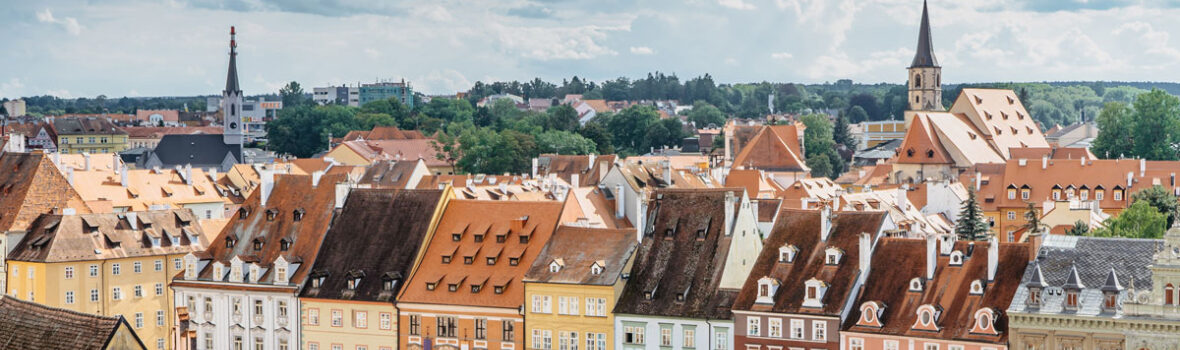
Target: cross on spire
x,y
231,78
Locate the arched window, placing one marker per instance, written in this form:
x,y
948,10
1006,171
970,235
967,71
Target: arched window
x,y
915,99
917,80
1169,295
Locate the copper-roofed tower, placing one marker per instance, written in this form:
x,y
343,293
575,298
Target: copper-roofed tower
x,y
231,97
925,80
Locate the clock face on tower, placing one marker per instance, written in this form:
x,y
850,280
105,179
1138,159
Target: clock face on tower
x,y
233,125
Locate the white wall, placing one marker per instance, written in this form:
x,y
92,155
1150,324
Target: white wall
x,y
706,330
222,325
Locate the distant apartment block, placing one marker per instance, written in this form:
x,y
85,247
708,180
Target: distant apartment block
x,y
338,95
15,108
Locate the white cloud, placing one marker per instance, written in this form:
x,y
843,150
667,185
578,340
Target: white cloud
x,y
63,93
435,13
736,4
69,23
781,55
12,88
442,81
540,43
372,53
642,50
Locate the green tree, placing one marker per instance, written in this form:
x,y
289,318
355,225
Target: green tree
x,y
564,142
603,140
1140,220
841,135
393,108
303,131
703,114
1032,219
1079,228
630,129
1114,127
857,114
447,148
971,225
820,146
562,117
1161,199
1156,125
293,95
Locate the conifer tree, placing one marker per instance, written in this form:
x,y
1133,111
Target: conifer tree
x,y
971,226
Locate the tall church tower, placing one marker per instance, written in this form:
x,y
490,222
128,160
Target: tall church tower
x,y
925,80
231,98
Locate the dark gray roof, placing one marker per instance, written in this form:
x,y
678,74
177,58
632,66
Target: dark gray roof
x,y
1092,258
85,126
199,150
1112,282
1037,278
924,57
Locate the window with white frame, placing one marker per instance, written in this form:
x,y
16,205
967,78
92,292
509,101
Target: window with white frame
x,y
720,340
159,289
69,274
819,330
796,329
955,347
70,297
753,326
930,346
537,306
891,345
690,338
160,317
774,326
856,344
665,336
633,334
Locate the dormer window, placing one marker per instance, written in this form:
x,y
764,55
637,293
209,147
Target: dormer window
x,y
297,215
271,214
475,288
1099,193
431,285
1118,194
870,314
1011,192
513,261
387,285
317,281
257,244
452,287
767,288
285,244
977,287
596,268
491,260
230,241
242,213
1071,299
555,266
833,256
984,322
1056,192
956,258
815,290
280,274
786,254
446,259
1025,192
927,318
916,284
352,283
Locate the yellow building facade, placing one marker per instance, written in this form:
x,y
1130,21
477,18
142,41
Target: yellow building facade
x,y
107,264
329,324
565,309
136,288
89,135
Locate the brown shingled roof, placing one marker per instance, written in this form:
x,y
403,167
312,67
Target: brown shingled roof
x,y
801,229
579,248
678,266
389,174
565,166
378,233
57,238
896,261
28,325
774,148
30,185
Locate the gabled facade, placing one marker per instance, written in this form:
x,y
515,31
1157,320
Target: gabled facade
x,y
467,289
1099,293
572,287
241,292
107,264
694,255
777,150
936,293
348,300
28,325
803,282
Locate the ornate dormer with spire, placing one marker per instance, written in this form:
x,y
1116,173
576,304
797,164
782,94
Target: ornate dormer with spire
x,y
231,98
925,79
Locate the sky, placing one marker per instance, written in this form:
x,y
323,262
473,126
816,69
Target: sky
x,y
79,48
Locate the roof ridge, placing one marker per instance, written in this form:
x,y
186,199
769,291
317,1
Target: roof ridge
x,y
4,298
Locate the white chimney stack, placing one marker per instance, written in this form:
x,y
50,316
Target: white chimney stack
x,y
1044,162
640,217
667,165
978,180
730,200
1130,178
85,161
619,202
212,174
536,163
504,189
590,164
574,180
188,174
70,175
115,163
993,258
267,177
825,221
132,220
902,200
123,176
315,177
866,253
1142,166
931,256
1083,160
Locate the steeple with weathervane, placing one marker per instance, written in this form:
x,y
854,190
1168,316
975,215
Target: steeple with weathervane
x,y
231,98
925,80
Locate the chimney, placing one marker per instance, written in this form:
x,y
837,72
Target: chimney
x,y
212,174
825,221
70,175
115,163
517,224
730,200
1130,178
574,180
590,164
315,177
902,200
57,159
536,162
504,189
620,206
866,253
640,217
342,190
132,220
85,161
978,180
267,178
123,175
188,174
993,258
667,166
1083,160
947,245
1142,167
931,256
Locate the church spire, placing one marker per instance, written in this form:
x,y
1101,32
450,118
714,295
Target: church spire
x,y
231,78
924,57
